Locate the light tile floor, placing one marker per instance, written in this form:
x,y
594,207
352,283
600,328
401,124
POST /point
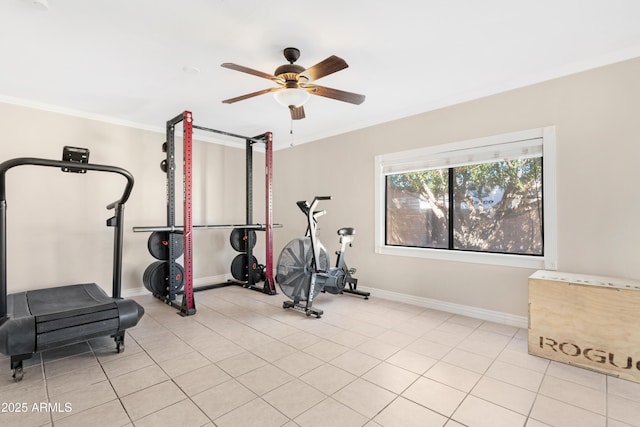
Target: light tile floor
x,y
244,361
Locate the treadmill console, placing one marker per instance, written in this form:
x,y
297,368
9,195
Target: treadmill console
x,y
75,155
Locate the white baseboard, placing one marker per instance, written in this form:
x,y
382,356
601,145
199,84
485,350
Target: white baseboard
x,y
201,281
464,310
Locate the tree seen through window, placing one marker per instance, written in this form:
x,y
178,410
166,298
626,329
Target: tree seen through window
x,y
497,207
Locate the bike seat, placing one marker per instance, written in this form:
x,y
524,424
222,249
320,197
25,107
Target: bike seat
x,y
347,231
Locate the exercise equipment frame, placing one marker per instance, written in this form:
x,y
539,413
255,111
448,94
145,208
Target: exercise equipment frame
x,y
47,318
187,306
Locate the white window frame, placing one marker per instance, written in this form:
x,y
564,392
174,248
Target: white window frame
x,y
421,156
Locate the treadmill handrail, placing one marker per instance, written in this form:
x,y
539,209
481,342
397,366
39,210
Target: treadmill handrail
x,y
118,205
20,161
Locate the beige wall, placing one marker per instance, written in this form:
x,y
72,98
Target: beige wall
x,y
56,221
598,147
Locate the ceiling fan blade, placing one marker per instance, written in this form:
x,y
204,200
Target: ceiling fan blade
x,y
248,70
324,68
250,95
340,95
297,113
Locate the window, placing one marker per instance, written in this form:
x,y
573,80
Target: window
x,y
489,200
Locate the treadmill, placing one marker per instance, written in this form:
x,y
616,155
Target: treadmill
x,y
43,319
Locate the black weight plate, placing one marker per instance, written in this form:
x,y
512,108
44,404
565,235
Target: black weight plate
x,y
152,270
156,278
158,245
240,240
240,270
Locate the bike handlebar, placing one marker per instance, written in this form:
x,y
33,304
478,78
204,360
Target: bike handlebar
x,y
305,207
316,199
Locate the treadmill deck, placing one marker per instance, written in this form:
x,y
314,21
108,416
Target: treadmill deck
x,y
48,318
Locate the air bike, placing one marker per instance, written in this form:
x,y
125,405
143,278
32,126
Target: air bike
x,y
303,265
44,319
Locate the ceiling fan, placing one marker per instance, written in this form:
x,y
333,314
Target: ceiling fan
x,y
296,84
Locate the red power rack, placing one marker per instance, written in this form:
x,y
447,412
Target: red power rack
x,y
185,232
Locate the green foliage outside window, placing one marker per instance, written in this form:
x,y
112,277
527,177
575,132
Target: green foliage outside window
x,y
497,207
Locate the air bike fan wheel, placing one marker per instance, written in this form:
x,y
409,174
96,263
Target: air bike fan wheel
x,y
293,272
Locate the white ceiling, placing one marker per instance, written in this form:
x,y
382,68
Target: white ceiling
x,y
123,61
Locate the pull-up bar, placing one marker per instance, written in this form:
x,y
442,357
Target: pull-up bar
x,y
260,138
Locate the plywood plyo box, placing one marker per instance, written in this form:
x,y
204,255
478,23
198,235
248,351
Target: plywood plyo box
x,y
587,321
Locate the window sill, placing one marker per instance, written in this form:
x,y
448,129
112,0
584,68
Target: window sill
x,y
521,261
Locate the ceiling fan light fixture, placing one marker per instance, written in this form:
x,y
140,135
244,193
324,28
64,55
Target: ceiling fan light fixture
x,y
291,97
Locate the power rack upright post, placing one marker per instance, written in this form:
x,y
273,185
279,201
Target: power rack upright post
x,y
188,306
173,280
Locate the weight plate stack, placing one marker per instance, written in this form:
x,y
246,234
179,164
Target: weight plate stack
x,y
156,278
240,268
